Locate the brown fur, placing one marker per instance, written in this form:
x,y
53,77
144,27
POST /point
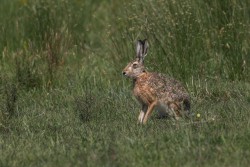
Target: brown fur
x,y
155,90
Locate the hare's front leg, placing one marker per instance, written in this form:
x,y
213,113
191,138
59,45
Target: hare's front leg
x,y
142,113
149,111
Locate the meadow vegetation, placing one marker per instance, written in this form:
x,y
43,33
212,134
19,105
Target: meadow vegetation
x,y
64,101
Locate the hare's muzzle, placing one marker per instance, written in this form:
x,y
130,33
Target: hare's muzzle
x,y
124,73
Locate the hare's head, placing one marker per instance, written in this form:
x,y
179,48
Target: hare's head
x,y
136,67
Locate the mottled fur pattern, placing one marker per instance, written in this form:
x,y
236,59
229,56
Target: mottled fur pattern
x,y
154,90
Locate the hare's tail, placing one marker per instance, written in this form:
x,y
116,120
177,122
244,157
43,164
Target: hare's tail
x,y
187,106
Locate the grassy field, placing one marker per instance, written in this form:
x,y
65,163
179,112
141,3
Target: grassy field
x,y
64,102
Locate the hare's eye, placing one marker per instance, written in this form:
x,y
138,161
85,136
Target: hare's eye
x,y
135,65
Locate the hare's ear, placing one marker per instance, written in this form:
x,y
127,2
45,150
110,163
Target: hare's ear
x,y
145,47
141,49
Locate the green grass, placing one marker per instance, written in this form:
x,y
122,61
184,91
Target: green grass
x,y
64,102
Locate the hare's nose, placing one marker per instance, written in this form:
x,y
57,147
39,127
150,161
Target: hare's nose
x,y
124,73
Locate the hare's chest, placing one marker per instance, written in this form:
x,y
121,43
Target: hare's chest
x,y
144,93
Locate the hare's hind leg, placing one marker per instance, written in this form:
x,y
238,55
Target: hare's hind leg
x,y
175,110
142,113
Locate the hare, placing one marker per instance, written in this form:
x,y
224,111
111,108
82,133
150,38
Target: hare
x,y
155,90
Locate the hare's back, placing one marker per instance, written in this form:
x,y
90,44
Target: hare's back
x,y
167,87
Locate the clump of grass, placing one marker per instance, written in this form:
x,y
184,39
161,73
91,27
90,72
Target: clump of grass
x,y
89,103
44,35
28,74
84,106
8,104
11,98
